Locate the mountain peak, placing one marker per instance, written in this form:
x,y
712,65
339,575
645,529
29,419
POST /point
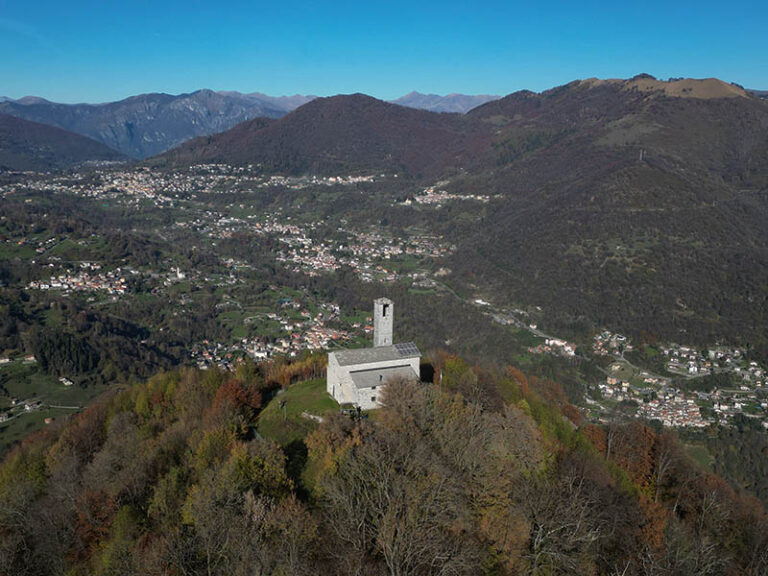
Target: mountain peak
x,y
31,100
456,103
148,124
704,88
343,133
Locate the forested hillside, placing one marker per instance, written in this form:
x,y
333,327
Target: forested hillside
x,y
342,133
479,474
636,204
26,145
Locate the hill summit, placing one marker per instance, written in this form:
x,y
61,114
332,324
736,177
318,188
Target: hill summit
x,y
706,88
347,132
26,145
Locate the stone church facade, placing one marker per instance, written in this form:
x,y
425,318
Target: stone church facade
x,y
357,376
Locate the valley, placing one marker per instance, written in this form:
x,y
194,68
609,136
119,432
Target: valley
x,y
383,289
562,257
215,264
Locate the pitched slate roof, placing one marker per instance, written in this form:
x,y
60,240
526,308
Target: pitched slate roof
x,y
377,354
379,376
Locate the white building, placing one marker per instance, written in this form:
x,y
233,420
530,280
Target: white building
x,y
357,376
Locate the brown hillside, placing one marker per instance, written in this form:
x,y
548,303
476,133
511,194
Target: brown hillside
x,y
26,145
706,88
354,132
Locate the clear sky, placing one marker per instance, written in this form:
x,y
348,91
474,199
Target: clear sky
x,y
102,50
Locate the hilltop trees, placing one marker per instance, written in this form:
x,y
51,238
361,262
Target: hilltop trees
x,y
474,475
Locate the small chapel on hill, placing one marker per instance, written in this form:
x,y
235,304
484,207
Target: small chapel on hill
x,y
357,376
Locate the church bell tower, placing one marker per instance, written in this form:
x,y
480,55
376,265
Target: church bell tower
x,y
383,311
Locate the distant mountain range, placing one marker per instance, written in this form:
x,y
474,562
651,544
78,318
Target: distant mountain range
x,y
357,131
26,145
457,103
149,124
283,103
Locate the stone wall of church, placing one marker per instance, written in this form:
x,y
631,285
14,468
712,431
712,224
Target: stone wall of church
x,y
344,391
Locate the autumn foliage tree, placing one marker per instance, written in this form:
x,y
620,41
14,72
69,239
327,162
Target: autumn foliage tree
x,y
482,472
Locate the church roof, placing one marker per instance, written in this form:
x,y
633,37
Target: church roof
x,y
377,354
379,376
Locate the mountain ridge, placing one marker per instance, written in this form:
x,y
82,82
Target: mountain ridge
x,y
657,186
26,145
146,124
450,103
354,132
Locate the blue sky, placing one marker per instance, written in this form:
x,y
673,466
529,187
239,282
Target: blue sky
x,y
95,51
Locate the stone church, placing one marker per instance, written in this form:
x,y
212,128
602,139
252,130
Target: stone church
x,y
357,376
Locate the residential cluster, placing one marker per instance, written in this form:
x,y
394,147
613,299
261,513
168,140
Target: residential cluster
x,y
750,403
307,333
87,279
365,252
432,196
607,343
301,182
673,409
302,255
555,346
692,361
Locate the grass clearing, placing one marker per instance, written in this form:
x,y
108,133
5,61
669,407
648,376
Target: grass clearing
x,y
28,382
525,337
23,381
289,426
10,251
700,455
19,427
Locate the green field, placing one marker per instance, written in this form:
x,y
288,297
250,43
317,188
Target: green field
x,y
23,425
9,251
525,337
289,426
700,455
27,381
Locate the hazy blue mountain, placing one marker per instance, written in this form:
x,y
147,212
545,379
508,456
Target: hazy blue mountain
x,y
288,103
26,145
148,124
459,103
30,100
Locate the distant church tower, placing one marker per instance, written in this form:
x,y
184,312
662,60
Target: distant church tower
x,y
383,311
